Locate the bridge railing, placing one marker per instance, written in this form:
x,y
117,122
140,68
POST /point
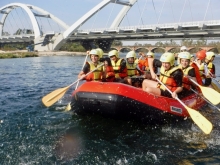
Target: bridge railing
x,y
153,26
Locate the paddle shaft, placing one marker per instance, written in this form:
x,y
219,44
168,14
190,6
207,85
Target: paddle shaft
x,y
86,75
82,69
204,99
204,124
57,94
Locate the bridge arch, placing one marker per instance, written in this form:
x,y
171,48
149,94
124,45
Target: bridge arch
x,y
31,15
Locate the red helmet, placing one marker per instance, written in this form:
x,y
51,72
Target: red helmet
x,y
201,54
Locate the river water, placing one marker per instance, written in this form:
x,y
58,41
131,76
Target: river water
x,y
30,133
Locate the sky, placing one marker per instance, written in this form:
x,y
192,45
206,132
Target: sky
x,y
144,12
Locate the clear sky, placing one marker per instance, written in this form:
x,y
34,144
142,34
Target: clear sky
x,y
143,12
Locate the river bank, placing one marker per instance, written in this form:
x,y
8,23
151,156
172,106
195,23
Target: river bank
x,y
25,53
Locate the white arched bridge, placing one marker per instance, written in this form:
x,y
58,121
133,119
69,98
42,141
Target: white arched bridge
x,y
103,37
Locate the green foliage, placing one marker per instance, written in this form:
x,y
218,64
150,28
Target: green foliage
x,y
73,47
17,55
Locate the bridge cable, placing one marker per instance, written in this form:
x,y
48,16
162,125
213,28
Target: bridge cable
x,y
182,10
20,18
211,9
190,9
154,9
161,12
141,14
12,27
172,11
110,14
29,24
41,28
96,15
14,19
49,24
206,10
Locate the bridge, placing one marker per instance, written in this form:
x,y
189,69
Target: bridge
x,y
103,37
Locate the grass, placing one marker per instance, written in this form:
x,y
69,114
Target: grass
x,y
18,55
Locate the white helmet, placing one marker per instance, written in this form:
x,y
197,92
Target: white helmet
x,y
150,54
100,51
183,48
168,57
131,54
185,55
94,52
113,53
209,55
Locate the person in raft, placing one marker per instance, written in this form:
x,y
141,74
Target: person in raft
x,y
91,65
119,66
170,75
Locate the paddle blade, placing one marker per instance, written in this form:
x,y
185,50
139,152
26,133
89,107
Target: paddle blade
x,y
54,96
211,95
215,87
200,120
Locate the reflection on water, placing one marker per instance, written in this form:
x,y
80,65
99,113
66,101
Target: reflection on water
x,y
33,134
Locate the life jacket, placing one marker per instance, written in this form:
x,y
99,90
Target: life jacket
x,y
167,79
95,75
210,67
143,64
109,73
117,66
131,69
186,81
201,70
197,72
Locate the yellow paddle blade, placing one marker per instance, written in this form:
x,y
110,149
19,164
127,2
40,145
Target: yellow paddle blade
x,y
200,120
215,87
54,96
211,95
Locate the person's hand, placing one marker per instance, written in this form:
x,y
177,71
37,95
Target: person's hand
x,y
174,95
154,76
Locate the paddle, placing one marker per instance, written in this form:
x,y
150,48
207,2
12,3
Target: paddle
x,y
204,124
215,87
54,96
204,99
68,107
209,93
82,68
212,77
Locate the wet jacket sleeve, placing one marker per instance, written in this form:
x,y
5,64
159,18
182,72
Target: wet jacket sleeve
x,y
192,72
86,68
157,63
178,77
122,65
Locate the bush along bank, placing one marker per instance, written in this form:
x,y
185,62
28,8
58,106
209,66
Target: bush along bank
x,y
18,55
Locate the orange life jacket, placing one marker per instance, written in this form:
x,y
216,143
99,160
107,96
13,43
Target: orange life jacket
x,y
96,75
167,79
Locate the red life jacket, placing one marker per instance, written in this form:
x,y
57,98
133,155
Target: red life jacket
x,y
197,72
109,73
